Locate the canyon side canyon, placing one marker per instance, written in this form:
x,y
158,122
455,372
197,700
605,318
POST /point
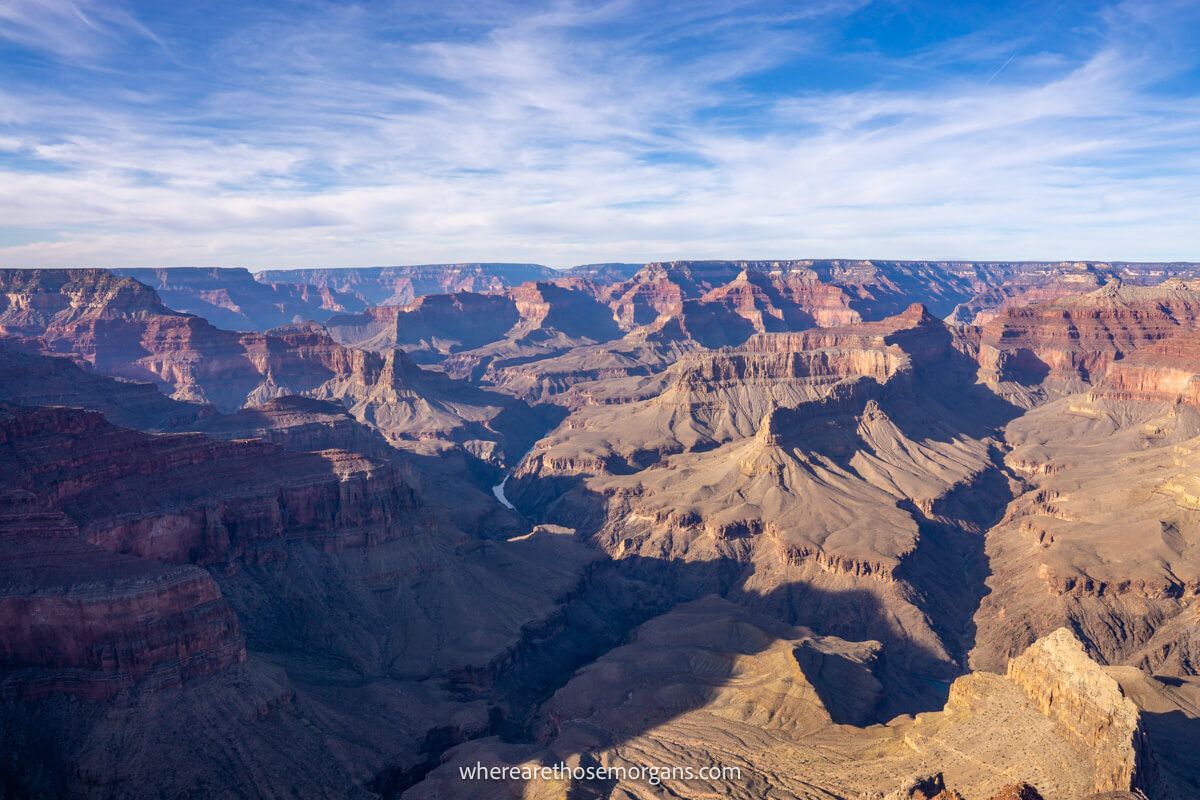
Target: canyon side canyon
x,y
820,529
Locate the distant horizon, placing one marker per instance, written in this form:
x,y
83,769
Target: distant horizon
x,y
563,268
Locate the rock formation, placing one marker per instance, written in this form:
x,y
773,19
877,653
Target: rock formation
x,y
231,298
772,515
78,620
1071,342
120,328
1071,689
389,286
709,684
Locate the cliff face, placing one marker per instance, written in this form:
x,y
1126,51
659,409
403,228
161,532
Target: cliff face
x,y
563,309
186,499
1071,342
79,620
136,571
1073,691
1164,372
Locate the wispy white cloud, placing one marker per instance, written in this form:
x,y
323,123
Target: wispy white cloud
x,y
573,133
71,29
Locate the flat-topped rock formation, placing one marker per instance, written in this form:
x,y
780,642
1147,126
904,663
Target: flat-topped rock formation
x,y
231,298
389,286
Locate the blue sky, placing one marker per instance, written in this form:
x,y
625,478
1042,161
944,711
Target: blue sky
x,y
322,134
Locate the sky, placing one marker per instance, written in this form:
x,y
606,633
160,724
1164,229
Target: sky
x,y
305,134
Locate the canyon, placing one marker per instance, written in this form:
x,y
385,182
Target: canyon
x,y
860,529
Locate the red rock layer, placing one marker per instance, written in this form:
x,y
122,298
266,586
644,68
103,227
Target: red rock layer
x,y
184,498
1165,372
1075,339
78,619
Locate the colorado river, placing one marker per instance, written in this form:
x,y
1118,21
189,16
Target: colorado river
x,y
498,490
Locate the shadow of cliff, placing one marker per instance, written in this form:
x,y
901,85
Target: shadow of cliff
x,y
944,402
619,595
616,597
949,567
1173,736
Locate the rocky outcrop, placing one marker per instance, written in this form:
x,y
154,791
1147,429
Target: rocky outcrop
x,y
1067,686
1167,372
786,293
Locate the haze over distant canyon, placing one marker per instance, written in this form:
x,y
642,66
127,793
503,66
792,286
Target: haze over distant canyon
x,y
860,529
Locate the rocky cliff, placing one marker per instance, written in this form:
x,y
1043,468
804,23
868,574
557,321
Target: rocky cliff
x,y
1073,691
183,498
1166,372
231,298
1072,341
79,620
